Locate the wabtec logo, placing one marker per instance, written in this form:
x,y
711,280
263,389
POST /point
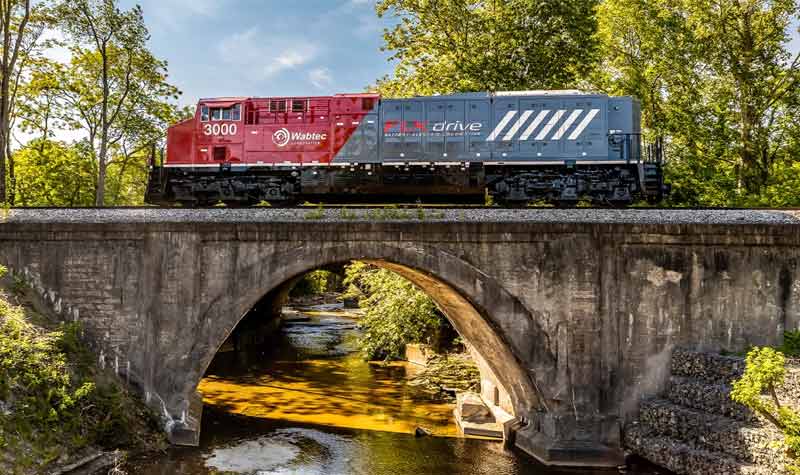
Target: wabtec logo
x,y
283,137
457,127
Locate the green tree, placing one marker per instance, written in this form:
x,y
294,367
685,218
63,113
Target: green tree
x,y
60,97
316,283
113,78
52,173
444,46
716,78
38,106
396,311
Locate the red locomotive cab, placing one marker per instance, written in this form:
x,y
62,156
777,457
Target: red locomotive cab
x,y
219,132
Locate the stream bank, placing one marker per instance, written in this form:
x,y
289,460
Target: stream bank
x,y
61,412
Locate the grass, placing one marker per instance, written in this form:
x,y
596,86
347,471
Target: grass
x,y
318,213
386,213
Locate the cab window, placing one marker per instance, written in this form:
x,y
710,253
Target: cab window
x,y
204,113
227,113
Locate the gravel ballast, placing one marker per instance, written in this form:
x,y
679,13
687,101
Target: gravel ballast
x,y
482,215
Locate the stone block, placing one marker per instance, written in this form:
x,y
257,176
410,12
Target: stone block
x,y
471,408
418,353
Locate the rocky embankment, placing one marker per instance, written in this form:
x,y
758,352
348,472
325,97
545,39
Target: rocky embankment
x,y
694,428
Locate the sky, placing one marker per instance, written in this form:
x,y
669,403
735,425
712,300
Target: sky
x,y
267,47
270,47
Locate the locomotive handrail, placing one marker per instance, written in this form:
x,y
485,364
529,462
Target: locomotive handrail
x,y
632,150
629,146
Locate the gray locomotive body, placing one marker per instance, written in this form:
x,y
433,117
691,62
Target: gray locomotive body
x,y
558,146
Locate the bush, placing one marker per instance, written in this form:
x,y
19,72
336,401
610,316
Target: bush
x,y
52,402
764,374
396,311
791,343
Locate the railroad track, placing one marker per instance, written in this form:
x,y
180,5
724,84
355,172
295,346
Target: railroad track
x,y
400,206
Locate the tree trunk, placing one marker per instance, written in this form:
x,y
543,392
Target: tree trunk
x,y
748,156
9,61
101,171
12,179
101,160
5,83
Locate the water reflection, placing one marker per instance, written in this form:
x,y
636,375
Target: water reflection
x,y
315,376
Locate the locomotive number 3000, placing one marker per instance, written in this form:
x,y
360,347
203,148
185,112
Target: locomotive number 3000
x,y
217,129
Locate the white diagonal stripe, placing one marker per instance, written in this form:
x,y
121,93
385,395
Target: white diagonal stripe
x,y
550,123
536,121
502,125
583,124
513,130
572,118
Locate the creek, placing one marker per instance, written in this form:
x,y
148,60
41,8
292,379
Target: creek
x,y
306,403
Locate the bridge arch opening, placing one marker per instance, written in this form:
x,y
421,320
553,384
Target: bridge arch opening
x,y
259,327
504,379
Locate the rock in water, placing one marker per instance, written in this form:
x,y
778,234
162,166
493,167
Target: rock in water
x,y
421,432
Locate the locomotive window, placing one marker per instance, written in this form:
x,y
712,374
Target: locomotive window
x,y
277,106
204,113
298,105
226,113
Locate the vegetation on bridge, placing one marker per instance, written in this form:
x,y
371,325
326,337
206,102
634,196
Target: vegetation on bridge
x,y
54,403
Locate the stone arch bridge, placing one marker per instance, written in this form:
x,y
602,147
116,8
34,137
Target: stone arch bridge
x,y
573,313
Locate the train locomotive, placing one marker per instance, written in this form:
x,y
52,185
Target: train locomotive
x,y
555,146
